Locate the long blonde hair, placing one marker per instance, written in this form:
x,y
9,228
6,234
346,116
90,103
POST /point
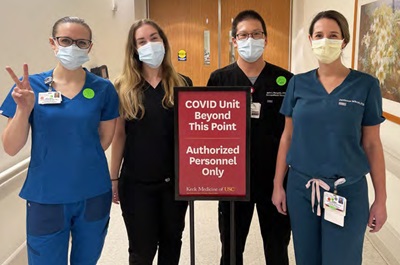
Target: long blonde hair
x,y
130,83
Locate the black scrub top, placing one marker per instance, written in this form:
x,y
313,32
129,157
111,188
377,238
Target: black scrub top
x,y
268,90
149,146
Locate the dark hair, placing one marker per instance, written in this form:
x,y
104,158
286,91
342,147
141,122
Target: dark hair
x,y
246,15
76,20
334,15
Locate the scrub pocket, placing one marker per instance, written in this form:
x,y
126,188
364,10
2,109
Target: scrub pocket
x,y
44,219
97,208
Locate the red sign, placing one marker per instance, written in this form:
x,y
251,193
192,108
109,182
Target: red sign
x,y
212,141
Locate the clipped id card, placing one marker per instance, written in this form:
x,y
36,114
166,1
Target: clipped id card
x,y
51,97
255,110
335,208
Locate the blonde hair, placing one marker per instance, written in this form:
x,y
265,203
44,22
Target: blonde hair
x,y
130,84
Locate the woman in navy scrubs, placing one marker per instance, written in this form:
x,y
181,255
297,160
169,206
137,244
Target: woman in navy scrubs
x,y
330,142
72,115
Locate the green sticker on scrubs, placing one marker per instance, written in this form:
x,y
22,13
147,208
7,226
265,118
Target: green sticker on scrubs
x,y
281,80
88,93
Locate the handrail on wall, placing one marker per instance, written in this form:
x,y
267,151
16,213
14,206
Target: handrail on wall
x,y
14,170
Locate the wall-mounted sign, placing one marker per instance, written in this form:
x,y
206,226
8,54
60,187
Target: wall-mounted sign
x,y
212,142
182,56
207,53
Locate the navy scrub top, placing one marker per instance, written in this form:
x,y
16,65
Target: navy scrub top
x,y
68,163
327,128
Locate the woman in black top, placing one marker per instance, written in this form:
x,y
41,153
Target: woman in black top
x,y
144,144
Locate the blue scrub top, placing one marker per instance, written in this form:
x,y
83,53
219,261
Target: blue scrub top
x,y
327,128
68,163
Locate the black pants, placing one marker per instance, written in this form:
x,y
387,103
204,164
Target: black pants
x,y
275,231
153,219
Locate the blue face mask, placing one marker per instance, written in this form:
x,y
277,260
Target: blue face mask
x,y
250,50
152,54
72,57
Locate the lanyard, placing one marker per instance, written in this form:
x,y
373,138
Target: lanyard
x,y
252,90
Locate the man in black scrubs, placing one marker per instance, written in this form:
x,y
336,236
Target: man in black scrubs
x,y
268,87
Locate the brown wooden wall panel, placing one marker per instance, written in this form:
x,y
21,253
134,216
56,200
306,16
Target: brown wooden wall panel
x,y
184,22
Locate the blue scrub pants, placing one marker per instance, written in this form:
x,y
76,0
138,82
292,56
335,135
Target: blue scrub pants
x,y
49,227
317,241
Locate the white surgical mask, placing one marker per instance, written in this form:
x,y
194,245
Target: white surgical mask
x,y
250,50
327,50
152,54
72,57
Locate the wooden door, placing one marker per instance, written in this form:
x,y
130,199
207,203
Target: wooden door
x,y
184,22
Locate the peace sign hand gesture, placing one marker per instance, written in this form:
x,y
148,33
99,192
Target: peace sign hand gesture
x,y
22,94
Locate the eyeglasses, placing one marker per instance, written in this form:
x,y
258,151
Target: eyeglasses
x,y
255,35
66,42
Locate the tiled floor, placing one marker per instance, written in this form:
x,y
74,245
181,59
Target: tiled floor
x,y
207,241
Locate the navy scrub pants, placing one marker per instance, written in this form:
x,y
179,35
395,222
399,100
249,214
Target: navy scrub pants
x,y
317,241
49,227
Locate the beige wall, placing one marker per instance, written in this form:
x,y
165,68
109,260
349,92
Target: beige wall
x,y
388,239
12,221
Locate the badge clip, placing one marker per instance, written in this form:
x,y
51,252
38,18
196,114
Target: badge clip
x,y
337,183
49,81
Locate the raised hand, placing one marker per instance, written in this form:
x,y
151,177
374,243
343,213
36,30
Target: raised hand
x,y
22,94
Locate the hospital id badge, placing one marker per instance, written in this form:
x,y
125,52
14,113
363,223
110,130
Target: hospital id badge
x,y
335,208
51,97
255,110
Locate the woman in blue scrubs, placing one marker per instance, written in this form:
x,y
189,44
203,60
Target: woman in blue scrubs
x,y
144,145
71,114
330,142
